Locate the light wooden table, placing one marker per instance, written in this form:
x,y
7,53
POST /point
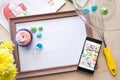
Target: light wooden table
x,y
102,72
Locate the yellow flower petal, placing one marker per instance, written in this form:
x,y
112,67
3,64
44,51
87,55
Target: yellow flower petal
x,y
7,44
8,69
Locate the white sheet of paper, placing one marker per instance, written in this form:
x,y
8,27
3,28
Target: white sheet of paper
x,y
33,7
62,41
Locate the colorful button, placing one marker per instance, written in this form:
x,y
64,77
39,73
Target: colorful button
x,y
39,46
33,29
40,28
94,7
39,35
86,10
103,10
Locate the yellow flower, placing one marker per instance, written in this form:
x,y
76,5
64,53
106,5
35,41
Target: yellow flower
x,y
5,56
5,60
8,69
2,69
11,73
7,44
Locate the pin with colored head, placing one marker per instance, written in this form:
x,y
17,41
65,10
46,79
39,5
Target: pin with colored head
x,y
104,11
94,7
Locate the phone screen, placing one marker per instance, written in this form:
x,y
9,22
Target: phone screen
x,y
90,54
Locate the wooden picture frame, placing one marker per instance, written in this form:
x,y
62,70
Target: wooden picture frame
x,y
42,17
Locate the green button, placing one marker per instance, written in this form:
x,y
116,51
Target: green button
x,y
33,29
40,28
103,10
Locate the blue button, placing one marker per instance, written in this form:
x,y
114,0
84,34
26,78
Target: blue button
x,y
39,46
94,8
39,35
86,10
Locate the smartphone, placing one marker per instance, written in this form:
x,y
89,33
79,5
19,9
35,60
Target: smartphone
x,y
89,56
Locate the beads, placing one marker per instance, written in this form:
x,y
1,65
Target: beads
x,y
39,46
104,11
94,7
39,35
37,32
86,10
40,28
33,29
